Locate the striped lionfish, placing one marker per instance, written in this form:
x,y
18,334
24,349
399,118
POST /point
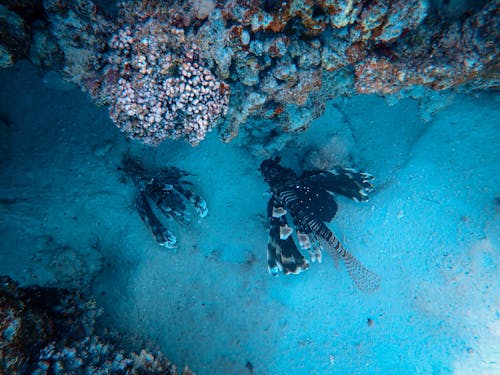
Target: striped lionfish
x,y
165,193
310,201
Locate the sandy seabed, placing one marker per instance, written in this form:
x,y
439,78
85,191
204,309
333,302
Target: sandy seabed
x,y
430,231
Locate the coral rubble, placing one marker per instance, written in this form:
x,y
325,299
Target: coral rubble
x,y
165,68
51,331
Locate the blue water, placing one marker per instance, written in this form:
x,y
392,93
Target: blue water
x,y
430,231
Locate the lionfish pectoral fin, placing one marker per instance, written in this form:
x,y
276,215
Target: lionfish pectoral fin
x,y
358,184
315,249
293,262
162,235
272,264
316,254
180,215
348,182
171,174
171,204
283,255
198,202
282,252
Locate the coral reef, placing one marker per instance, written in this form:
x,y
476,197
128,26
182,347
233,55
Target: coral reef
x,y
165,68
51,331
163,90
437,55
280,52
77,35
141,65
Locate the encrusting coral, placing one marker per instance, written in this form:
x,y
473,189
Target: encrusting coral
x,y
438,55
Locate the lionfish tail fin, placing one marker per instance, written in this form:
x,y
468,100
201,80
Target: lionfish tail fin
x,y
363,278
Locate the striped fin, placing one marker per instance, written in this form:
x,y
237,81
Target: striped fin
x,y
344,181
136,171
170,175
311,203
316,250
198,202
169,201
363,278
282,253
309,223
162,235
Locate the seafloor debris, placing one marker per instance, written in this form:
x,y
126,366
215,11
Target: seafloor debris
x,y
52,331
310,202
163,194
160,66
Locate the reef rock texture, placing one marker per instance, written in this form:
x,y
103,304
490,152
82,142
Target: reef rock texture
x,y
79,33
165,68
437,55
276,54
51,331
14,38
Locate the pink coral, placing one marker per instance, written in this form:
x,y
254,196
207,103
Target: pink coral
x,y
162,89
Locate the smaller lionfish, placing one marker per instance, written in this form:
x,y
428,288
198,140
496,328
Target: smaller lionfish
x,y
163,192
310,201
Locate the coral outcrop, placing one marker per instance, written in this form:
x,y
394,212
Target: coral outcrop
x,y
76,37
278,54
437,55
161,88
51,331
165,68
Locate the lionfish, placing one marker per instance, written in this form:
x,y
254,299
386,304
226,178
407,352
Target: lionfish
x,y
310,201
162,195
